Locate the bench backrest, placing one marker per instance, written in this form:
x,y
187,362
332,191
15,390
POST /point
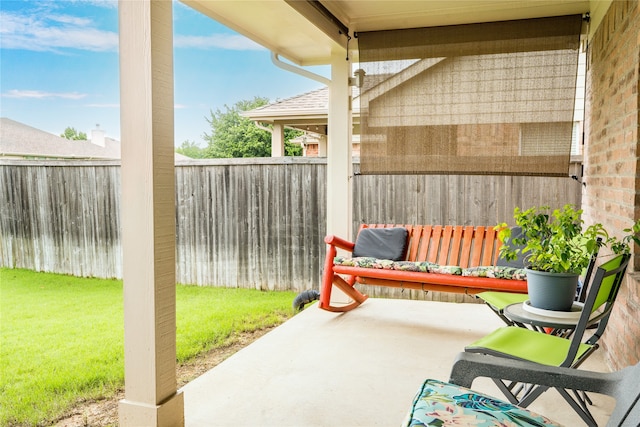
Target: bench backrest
x,y
464,246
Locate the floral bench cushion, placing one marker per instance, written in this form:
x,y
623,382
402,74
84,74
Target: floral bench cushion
x,y
429,267
441,404
497,272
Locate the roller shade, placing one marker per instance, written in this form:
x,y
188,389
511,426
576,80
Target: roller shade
x,y
495,98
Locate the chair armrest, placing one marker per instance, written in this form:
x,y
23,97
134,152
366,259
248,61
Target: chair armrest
x,y
469,366
339,242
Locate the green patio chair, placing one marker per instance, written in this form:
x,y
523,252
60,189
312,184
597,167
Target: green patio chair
x,y
546,349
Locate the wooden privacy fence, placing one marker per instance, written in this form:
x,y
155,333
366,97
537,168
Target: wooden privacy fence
x,y
255,223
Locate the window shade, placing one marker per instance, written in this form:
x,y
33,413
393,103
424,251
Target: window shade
x,y
493,98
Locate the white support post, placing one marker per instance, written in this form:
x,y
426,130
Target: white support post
x,y
148,215
339,162
277,140
322,146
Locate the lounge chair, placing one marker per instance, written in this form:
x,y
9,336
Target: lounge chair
x,y
443,404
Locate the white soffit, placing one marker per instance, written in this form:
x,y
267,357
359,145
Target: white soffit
x,y
278,27
377,15
273,24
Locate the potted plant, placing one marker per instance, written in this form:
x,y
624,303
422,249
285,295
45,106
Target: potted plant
x,y
555,248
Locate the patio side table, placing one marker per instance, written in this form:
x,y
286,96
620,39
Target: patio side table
x,y
557,323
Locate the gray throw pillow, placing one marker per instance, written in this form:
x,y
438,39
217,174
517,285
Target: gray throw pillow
x,y
382,243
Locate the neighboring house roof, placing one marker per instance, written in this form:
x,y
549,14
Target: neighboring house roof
x,y
308,111
18,140
311,103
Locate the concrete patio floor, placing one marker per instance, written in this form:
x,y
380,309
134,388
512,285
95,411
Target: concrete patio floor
x,y
360,368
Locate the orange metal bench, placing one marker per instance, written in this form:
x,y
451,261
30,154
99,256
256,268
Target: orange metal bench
x,y
462,246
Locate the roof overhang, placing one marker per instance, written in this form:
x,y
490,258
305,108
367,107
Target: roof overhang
x,y
305,34
279,27
286,115
309,121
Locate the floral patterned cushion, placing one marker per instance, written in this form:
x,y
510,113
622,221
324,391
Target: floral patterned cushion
x,y
429,267
418,266
444,404
363,261
446,269
423,267
496,272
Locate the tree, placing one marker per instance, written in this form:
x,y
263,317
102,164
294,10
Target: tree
x,y
235,136
192,150
291,149
73,134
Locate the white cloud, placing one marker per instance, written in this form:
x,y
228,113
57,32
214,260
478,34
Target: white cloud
x,y
48,29
53,32
73,20
113,4
38,94
102,105
216,41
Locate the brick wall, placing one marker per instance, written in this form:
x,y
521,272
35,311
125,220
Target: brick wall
x,y
612,193
311,150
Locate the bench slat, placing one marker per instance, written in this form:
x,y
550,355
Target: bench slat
x,y
434,244
465,253
457,242
478,242
416,234
490,241
445,245
424,243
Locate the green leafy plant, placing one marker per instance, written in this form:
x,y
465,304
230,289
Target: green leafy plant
x,y
624,246
557,241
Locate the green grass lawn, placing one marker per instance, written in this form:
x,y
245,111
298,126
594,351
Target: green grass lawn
x,y
61,337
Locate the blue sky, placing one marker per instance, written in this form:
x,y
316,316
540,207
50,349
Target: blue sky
x,y
59,67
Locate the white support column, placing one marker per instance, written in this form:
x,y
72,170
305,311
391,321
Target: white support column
x,y
339,163
322,146
148,215
277,140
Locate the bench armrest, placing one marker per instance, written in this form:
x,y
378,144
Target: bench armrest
x,y
339,242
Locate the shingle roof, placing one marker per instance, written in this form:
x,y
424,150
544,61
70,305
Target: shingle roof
x,y
312,105
20,140
314,101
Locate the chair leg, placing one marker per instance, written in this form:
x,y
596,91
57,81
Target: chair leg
x,y
510,389
532,394
513,389
500,313
519,393
580,406
504,318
